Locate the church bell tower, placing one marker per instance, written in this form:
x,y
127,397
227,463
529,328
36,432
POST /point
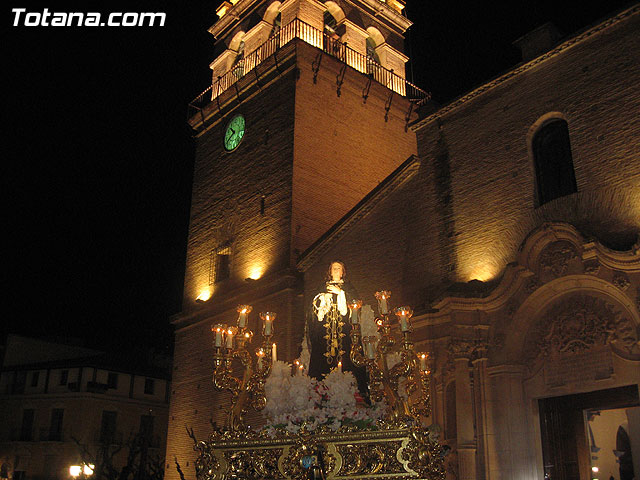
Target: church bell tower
x,y
307,112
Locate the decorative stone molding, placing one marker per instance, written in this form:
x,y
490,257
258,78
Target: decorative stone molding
x,y
532,285
555,258
621,281
578,324
461,348
592,267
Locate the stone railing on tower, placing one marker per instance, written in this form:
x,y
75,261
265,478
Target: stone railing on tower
x,y
305,32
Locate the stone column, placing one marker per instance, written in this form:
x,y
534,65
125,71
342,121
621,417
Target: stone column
x,y
311,12
356,39
483,400
464,411
510,440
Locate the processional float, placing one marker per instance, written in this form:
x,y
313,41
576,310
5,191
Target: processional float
x,y
391,444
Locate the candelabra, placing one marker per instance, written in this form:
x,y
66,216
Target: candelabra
x,y
373,353
231,343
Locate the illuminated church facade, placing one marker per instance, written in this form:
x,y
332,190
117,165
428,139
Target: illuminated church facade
x,y
508,219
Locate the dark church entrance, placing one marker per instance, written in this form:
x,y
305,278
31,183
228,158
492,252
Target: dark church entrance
x,y
568,447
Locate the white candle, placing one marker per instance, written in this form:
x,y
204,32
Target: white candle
x,y
260,354
370,347
229,339
218,330
274,353
404,323
301,369
296,370
267,318
340,367
423,362
243,315
383,306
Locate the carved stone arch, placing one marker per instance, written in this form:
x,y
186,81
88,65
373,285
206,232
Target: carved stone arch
x,y
272,12
570,305
335,10
549,250
376,35
234,44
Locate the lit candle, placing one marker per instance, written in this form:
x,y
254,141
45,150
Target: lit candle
x,y
296,369
231,332
301,369
404,314
243,315
382,297
274,353
340,367
354,306
267,319
218,331
423,362
260,354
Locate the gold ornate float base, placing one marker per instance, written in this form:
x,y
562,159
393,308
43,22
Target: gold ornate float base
x,y
383,454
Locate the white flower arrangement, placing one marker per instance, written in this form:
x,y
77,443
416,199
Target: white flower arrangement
x,y
300,401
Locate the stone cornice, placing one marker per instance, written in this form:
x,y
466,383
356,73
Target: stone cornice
x,y
399,21
231,16
525,67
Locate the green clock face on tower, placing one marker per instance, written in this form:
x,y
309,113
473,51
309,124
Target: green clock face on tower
x,y
233,133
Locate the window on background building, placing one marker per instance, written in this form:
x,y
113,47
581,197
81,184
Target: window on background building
x,y
220,264
35,376
26,430
112,380
553,162
108,427
64,377
55,429
149,386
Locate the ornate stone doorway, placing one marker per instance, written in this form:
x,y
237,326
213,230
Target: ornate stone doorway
x,y
566,448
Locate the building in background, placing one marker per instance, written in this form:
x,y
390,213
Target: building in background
x,y
508,218
61,405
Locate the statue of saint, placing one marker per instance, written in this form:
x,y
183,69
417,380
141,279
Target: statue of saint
x,y
329,328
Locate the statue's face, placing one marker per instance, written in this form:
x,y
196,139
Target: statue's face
x,y
336,271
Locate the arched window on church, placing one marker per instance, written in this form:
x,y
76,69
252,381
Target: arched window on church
x,y
330,24
331,42
238,63
551,148
277,24
373,60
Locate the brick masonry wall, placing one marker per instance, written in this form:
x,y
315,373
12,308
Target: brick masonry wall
x,y
228,187
594,85
343,145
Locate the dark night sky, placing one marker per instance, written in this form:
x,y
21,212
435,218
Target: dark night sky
x,y
97,179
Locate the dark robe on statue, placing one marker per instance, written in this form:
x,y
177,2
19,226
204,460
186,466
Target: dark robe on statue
x,y
329,338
